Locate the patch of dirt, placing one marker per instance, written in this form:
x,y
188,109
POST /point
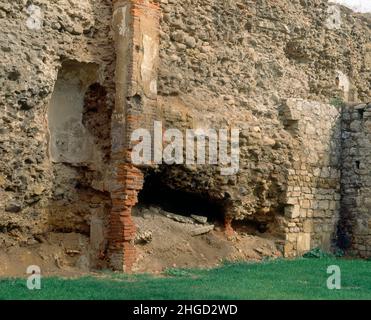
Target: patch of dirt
x,y
171,244
62,254
165,240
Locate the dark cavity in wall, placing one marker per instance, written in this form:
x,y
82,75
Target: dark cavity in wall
x,y
156,193
361,113
251,227
261,223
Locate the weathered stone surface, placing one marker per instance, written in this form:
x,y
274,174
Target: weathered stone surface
x,y
199,219
303,243
355,212
177,217
202,230
68,107
290,139
143,237
37,41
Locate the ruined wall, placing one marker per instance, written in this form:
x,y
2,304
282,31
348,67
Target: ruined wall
x,y
56,77
355,226
253,65
313,184
233,64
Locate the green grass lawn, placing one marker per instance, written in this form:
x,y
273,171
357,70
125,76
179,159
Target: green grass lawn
x,y
280,279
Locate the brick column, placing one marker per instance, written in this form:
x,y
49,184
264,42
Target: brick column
x,y
136,30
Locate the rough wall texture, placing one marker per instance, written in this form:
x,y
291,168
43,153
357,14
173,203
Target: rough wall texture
x,y
69,106
313,185
43,190
240,64
355,226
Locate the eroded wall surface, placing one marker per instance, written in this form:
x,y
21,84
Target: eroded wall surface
x,y
313,184
56,87
355,226
251,65
233,64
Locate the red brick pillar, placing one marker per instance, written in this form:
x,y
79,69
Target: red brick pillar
x,y
128,181
136,32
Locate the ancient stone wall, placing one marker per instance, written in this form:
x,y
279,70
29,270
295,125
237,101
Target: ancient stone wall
x,y
355,225
78,77
313,185
57,87
236,64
